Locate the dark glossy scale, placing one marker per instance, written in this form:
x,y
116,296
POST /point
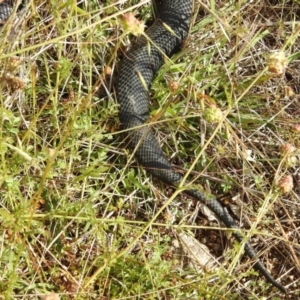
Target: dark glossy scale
x,y
6,9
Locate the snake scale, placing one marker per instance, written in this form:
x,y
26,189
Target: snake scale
x,y
6,9
137,70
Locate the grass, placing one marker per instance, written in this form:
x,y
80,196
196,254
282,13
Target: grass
x,y
80,219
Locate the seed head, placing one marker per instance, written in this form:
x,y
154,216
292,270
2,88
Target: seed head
x,y
131,24
286,184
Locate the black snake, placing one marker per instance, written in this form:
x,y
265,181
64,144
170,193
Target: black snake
x,y
137,70
6,9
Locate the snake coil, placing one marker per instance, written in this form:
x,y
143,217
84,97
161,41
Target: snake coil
x,y
137,70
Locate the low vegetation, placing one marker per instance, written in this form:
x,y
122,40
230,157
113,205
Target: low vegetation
x,y
81,220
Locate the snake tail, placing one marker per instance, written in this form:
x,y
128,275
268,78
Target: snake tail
x,y
136,73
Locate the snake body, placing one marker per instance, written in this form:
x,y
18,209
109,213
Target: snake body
x,y
6,9
137,70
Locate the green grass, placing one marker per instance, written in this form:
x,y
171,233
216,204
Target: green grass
x,y
80,219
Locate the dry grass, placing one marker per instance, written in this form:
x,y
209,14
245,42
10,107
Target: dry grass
x,y
77,216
